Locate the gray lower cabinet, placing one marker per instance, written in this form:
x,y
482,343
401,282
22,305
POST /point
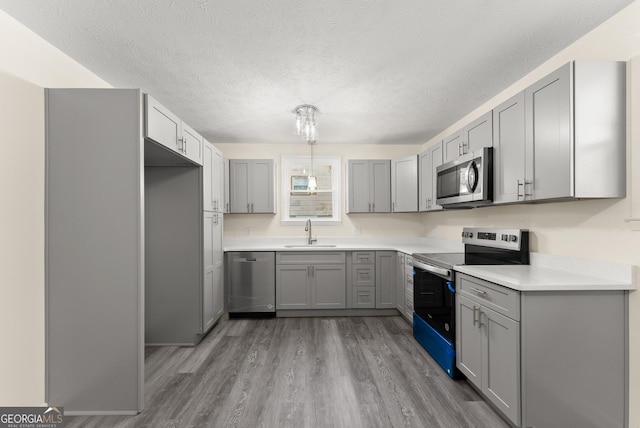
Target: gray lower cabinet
x,y
213,278
548,359
489,354
311,280
385,279
94,250
400,294
408,287
361,279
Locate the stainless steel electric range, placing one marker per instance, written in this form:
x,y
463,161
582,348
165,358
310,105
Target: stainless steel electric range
x,y
434,285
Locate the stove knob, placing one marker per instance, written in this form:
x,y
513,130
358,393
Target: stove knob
x,y
463,234
504,237
513,238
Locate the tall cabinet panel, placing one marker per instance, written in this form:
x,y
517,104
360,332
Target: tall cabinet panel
x,y
549,136
508,150
404,184
94,250
429,160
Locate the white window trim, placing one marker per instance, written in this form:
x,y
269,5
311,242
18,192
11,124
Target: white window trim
x,y
336,184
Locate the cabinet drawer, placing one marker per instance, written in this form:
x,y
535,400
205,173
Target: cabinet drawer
x,y
363,275
363,257
501,299
310,257
364,297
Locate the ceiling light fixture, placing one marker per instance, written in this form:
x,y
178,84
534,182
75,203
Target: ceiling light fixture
x,y
306,122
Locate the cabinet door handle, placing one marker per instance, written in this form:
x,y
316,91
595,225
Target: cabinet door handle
x,y
215,219
251,206
393,206
373,207
475,320
248,208
529,182
459,149
369,207
480,292
520,184
227,210
181,147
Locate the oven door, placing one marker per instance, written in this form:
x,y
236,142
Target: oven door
x,y
434,298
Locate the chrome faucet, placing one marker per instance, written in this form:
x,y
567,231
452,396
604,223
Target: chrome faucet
x,y
307,228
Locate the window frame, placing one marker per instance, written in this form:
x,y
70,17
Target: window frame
x,y
286,163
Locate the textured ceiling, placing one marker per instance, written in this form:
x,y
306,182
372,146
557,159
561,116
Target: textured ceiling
x,y
385,71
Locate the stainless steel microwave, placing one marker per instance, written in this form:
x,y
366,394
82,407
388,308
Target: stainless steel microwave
x,y
466,182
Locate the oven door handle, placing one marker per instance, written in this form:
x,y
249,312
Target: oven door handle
x,y
446,273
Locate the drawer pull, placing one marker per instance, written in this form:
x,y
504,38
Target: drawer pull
x,y
480,292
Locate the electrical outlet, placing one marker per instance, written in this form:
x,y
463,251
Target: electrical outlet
x,y
247,231
355,231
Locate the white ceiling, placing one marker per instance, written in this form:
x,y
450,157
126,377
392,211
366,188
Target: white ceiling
x,y
380,71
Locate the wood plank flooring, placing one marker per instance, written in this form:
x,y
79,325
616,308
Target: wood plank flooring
x,y
302,372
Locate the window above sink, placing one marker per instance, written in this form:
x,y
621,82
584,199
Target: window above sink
x,y
301,200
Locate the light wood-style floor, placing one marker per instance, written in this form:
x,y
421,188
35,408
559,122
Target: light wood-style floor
x,y
302,372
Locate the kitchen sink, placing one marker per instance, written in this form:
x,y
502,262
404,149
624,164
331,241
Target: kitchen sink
x,y
309,246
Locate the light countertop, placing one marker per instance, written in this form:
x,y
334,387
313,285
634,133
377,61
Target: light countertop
x,y
545,273
536,278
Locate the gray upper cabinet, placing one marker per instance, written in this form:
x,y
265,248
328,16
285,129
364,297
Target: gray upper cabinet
x,y
251,186
509,150
429,160
164,127
404,184
192,144
369,187
575,132
213,179
474,136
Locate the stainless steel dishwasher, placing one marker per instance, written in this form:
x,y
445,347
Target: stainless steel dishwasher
x,y
251,281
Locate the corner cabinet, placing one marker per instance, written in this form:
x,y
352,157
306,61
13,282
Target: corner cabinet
x,y
404,184
540,357
429,160
164,127
488,342
474,136
369,186
251,186
311,280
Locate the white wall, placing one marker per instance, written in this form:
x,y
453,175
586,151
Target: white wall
x,y
27,64
401,224
598,229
